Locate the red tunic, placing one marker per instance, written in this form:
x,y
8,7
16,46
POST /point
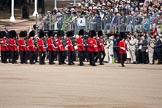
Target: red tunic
x,y
51,46
60,45
4,46
70,45
31,45
101,45
80,44
90,44
12,45
41,46
122,47
95,46
22,45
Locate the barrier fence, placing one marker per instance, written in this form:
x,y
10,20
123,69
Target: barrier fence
x,y
108,24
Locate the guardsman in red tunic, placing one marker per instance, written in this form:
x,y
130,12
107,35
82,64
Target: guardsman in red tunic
x,y
4,47
41,48
32,47
92,47
51,47
70,48
61,48
22,47
81,47
122,51
101,50
13,48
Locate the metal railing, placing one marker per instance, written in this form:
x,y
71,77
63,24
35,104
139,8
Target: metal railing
x,y
108,24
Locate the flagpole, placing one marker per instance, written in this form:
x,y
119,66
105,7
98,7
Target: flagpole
x,y
35,11
74,2
12,18
55,4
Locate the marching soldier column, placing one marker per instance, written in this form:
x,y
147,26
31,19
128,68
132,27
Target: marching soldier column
x,y
52,47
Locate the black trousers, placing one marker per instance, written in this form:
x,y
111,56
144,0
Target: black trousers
x,y
52,56
71,57
100,56
61,57
92,58
4,56
158,56
143,53
81,57
32,56
122,58
42,56
14,56
23,56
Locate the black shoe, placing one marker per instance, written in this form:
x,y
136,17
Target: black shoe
x,y
69,64
94,65
63,63
101,64
123,65
81,64
51,63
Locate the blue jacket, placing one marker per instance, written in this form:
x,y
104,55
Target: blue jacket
x,y
158,46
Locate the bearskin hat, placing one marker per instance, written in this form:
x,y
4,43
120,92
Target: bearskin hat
x,y
41,33
12,34
100,33
92,33
81,32
60,33
23,33
50,33
69,34
2,34
32,34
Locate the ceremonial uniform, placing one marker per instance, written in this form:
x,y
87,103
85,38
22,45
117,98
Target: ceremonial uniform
x,y
23,47
70,47
61,48
32,48
101,50
4,49
92,47
122,51
13,48
51,48
41,48
81,47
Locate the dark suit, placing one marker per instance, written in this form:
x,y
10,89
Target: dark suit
x,y
158,51
143,51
